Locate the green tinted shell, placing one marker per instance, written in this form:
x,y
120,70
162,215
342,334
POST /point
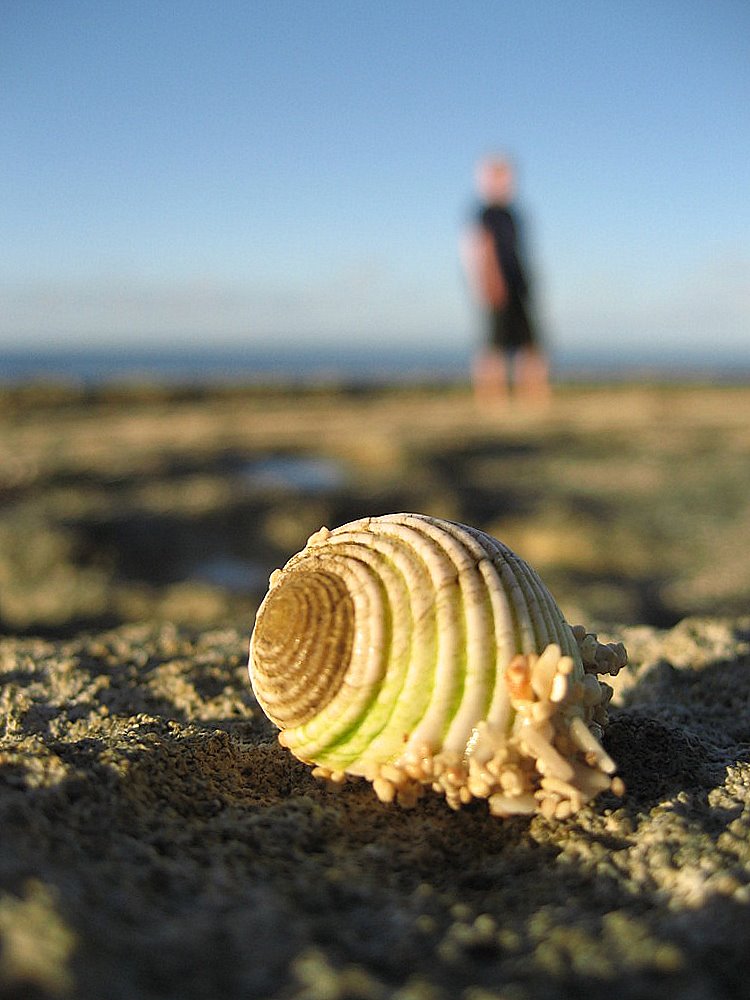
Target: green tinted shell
x,y
421,653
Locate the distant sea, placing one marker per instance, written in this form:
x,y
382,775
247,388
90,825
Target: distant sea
x,y
224,365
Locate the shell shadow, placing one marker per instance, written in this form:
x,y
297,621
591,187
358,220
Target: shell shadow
x,y
677,731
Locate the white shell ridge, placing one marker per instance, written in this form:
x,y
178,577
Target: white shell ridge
x,y
418,652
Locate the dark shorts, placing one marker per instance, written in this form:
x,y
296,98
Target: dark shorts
x,y
509,328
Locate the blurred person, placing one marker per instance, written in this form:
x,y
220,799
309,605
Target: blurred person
x,y
512,353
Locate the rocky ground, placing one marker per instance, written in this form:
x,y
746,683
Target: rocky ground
x,y
157,842
632,501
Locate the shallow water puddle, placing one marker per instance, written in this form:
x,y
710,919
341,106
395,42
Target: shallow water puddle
x,y
294,473
240,576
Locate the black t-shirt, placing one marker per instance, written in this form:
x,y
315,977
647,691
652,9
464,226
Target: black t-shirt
x,y
499,221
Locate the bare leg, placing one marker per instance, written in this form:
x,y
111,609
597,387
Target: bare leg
x,y
490,375
532,374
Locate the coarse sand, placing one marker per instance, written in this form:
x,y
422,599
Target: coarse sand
x,y
157,842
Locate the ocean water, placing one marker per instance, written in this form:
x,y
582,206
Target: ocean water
x,y
343,365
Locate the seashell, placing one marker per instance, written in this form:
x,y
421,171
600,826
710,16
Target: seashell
x,y
420,653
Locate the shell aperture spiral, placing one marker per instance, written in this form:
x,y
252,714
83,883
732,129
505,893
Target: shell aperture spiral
x,y
418,653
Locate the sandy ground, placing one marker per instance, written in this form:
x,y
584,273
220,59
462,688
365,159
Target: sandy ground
x,y
156,840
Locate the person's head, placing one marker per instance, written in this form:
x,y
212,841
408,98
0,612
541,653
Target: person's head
x,y
495,180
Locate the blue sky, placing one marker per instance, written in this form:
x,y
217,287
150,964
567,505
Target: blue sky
x,y
188,172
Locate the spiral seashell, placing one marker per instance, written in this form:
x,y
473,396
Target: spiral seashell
x,y
421,653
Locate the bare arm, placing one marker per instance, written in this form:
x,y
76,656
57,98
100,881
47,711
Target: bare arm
x,y
482,268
